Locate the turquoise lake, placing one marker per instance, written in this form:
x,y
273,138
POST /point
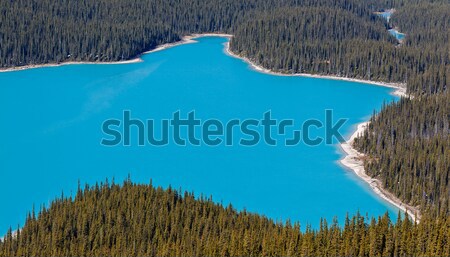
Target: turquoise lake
x,y
52,118
398,35
386,14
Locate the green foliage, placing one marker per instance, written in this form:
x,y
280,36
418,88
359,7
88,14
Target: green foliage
x,y
337,41
408,143
43,31
320,41
408,148
341,37
427,25
140,220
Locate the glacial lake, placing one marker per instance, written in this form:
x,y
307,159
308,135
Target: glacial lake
x,y
394,32
52,128
386,14
398,35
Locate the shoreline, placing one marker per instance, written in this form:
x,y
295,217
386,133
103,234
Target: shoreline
x,y
36,66
351,160
400,88
184,40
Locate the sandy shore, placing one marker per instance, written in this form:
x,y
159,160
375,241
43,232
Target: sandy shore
x,y
35,66
353,160
186,40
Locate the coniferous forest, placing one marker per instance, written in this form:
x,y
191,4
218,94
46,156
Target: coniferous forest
x,y
408,142
140,220
408,148
407,145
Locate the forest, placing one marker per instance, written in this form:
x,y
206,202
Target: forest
x,y
289,36
47,31
407,145
141,220
408,142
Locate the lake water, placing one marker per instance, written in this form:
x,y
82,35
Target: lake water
x,y
52,118
386,14
398,35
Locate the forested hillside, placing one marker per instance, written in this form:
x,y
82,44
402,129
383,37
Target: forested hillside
x,y
340,42
139,220
427,25
36,32
408,143
342,37
321,41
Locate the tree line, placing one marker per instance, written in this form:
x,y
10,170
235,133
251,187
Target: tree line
x,y
335,41
290,36
140,220
46,31
407,146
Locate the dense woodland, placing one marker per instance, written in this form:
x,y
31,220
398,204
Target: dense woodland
x,y
342,37
324,40
139,220
342,42
407,145
36,32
